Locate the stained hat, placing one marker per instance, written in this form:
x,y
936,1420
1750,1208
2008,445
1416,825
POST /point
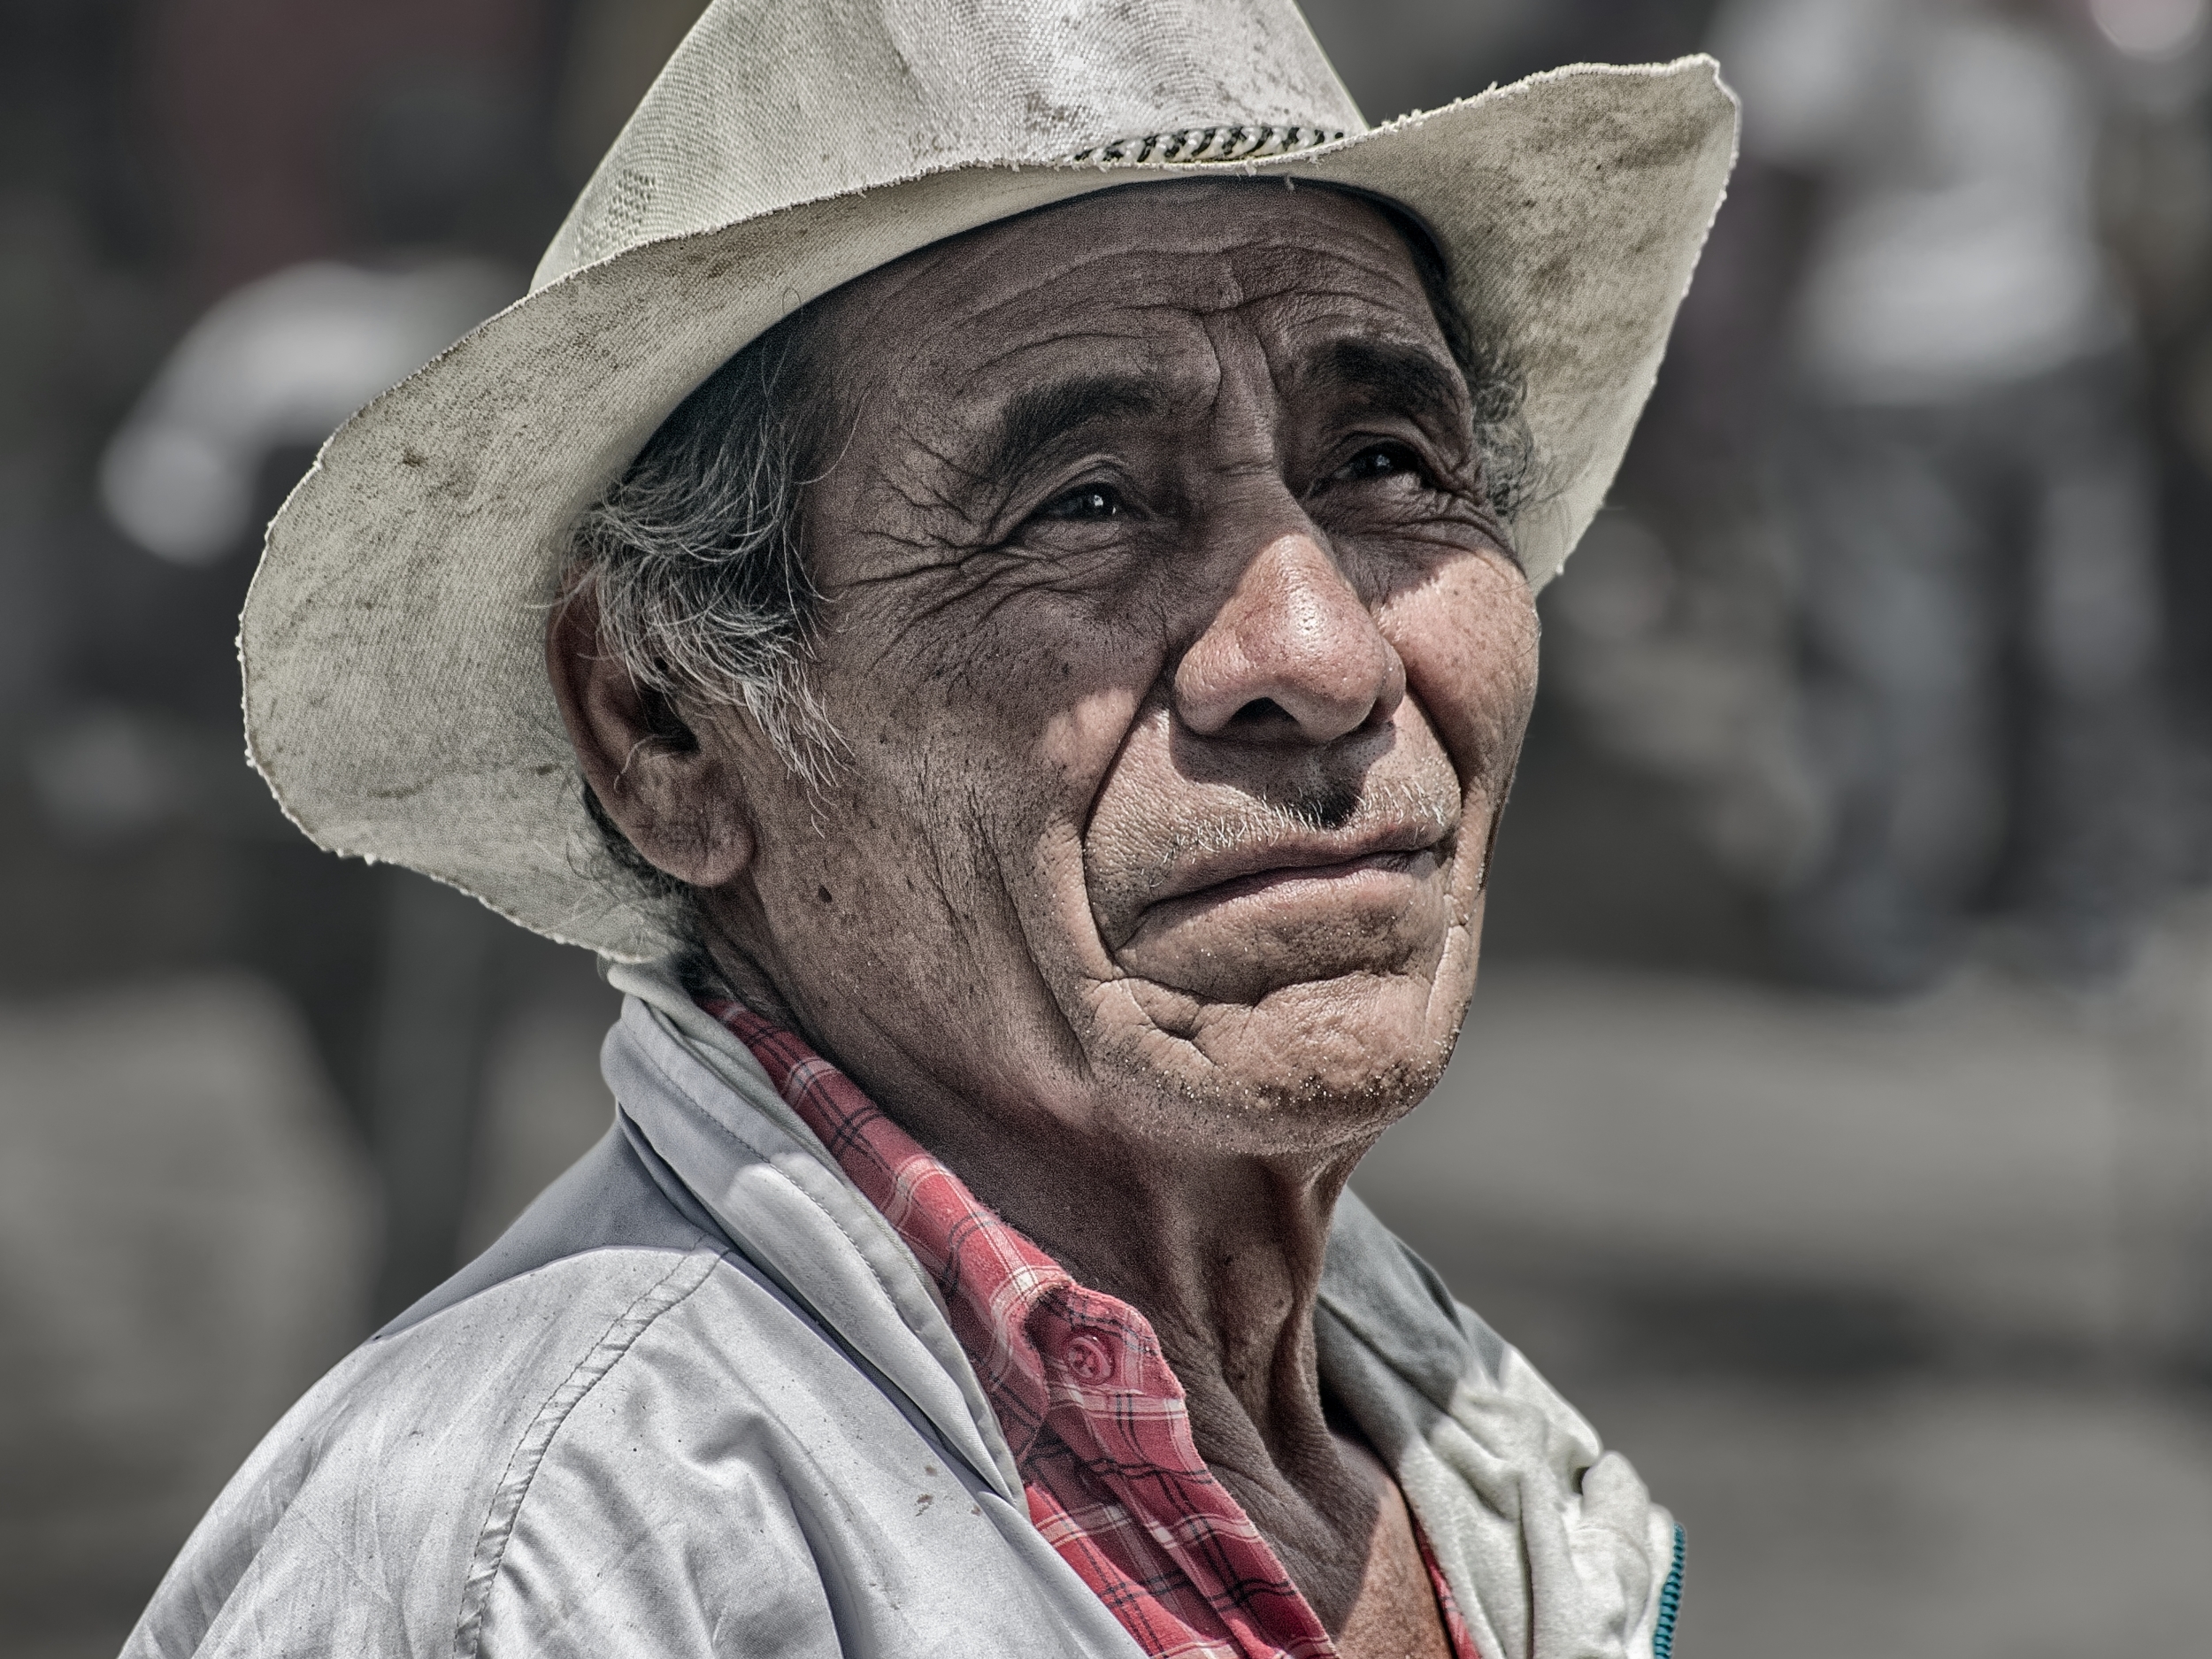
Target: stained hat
x,y
396,692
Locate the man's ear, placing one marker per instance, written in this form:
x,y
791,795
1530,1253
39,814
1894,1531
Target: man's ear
x,y
673,791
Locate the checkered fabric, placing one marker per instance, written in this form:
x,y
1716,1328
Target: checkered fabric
x,y
1093,1414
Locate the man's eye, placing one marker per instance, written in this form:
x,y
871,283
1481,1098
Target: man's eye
x,y
1381,460
1087,504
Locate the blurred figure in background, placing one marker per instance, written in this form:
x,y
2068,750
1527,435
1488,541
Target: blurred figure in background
x,y
1968,482
409,157
340,194
391,975
2157,198
389,972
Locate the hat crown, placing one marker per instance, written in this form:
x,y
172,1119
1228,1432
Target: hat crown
x,y
768,101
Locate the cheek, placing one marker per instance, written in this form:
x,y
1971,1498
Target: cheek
x,y
1050,683
1009,716
1468,638
1083,739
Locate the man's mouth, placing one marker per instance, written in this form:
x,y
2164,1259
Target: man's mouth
x,y
1238,872
1269,861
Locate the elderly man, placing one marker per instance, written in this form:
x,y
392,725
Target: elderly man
x,y
993,581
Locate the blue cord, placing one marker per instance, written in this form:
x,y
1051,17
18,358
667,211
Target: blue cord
x,y
1670,1601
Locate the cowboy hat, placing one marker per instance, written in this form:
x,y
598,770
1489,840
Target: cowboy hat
x,y
396,692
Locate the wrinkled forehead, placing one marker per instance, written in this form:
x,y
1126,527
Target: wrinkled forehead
x,y
1138,281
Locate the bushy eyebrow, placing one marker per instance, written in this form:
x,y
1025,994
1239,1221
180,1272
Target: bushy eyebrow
x,y
1035,420
1404,377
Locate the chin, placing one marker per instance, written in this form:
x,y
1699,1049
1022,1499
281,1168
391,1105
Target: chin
x,y
1310,1068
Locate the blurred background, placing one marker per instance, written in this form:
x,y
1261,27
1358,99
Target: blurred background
x,y
1835,1121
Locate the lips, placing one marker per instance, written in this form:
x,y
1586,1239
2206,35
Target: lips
x,y
1166,851
1239,871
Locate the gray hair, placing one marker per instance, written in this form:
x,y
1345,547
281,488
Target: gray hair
x,y
698,561
695,554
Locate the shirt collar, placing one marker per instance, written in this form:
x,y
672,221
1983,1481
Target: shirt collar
x,y
1036,1338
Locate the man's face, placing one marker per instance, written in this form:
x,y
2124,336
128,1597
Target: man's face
x,y
1180,673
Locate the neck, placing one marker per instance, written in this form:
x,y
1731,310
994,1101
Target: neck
x,y
1222,1257
1222,1253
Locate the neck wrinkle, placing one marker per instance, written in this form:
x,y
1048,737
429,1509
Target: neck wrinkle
x,y
1224,1258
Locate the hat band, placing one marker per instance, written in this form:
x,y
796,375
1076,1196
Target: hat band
x,y
1213,144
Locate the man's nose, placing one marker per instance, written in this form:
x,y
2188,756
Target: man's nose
x,y
1294,653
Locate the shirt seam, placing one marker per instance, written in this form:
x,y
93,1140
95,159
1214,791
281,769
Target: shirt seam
x,y
501,1518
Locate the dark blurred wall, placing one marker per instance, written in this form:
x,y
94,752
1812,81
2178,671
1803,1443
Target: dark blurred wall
x,y
260,116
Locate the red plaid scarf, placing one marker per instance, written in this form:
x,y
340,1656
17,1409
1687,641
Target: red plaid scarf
x,y
1095,1417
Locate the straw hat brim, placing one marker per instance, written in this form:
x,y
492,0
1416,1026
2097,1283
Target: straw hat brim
x,y
392,645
